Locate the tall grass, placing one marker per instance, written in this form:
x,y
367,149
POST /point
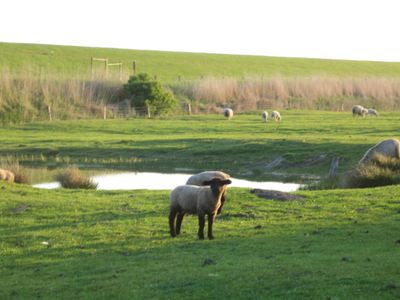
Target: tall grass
x,y
382,170
72,178
27,96
12,164
315,92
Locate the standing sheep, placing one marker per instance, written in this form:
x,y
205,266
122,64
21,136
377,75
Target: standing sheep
x,y
264,116
390,148
228,113
199,179
7,175
372,112
276,116
358,110
200,200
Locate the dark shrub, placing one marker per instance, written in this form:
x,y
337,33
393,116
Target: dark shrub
x,y
145,92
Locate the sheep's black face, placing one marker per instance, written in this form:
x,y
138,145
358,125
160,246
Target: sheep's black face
x,y
217,185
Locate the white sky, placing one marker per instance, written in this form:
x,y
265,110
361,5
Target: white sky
x,y
339,29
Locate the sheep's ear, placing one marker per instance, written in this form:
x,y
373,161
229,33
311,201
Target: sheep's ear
x,y
226,182
207,182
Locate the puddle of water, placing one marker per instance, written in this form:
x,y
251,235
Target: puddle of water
x,y
159,181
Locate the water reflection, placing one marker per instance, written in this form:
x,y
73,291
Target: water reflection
x,y
160,181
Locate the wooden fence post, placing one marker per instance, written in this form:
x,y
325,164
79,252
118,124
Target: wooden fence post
x,y
148,110
134,67
106,67
91,68
49,112
189,108
105,112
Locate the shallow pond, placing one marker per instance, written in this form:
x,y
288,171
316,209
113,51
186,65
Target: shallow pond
x,y
162,181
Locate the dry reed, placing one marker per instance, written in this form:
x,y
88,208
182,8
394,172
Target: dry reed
x,y
314,92
12,164
72,178
28,97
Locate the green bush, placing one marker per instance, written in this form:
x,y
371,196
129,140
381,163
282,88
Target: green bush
x,y
147,93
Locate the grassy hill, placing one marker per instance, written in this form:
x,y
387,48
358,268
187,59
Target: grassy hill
x,y
71,244
75,61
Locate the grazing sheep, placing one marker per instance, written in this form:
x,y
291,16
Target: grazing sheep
x,y
200,200
372,112
228,113
390,148
7,175
276,116
358,110
198,179
264,116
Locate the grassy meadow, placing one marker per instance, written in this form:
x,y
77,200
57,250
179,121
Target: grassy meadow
x,y
76,244
306,141
333,244
90,244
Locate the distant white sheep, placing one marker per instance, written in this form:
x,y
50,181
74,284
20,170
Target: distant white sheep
x,y
7,175
389,148
264,116
276,116
200,200
199,179
373,112
358,110
228,113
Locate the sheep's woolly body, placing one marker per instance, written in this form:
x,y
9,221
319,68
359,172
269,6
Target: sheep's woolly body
x,y
358,110
390,148
194,199
6,175
198,179
372,112
275,115
228,113
264,116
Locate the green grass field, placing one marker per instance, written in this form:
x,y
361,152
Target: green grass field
x,y
306,140
71,244
74,244
167,66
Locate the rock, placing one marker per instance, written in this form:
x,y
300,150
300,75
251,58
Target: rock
x,y
275,195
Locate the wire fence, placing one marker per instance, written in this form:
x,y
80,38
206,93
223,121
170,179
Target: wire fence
x,y
109,111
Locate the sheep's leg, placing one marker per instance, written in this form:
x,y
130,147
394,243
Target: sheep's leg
x,y
172,216
179,222
211,218
222,203
202,221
